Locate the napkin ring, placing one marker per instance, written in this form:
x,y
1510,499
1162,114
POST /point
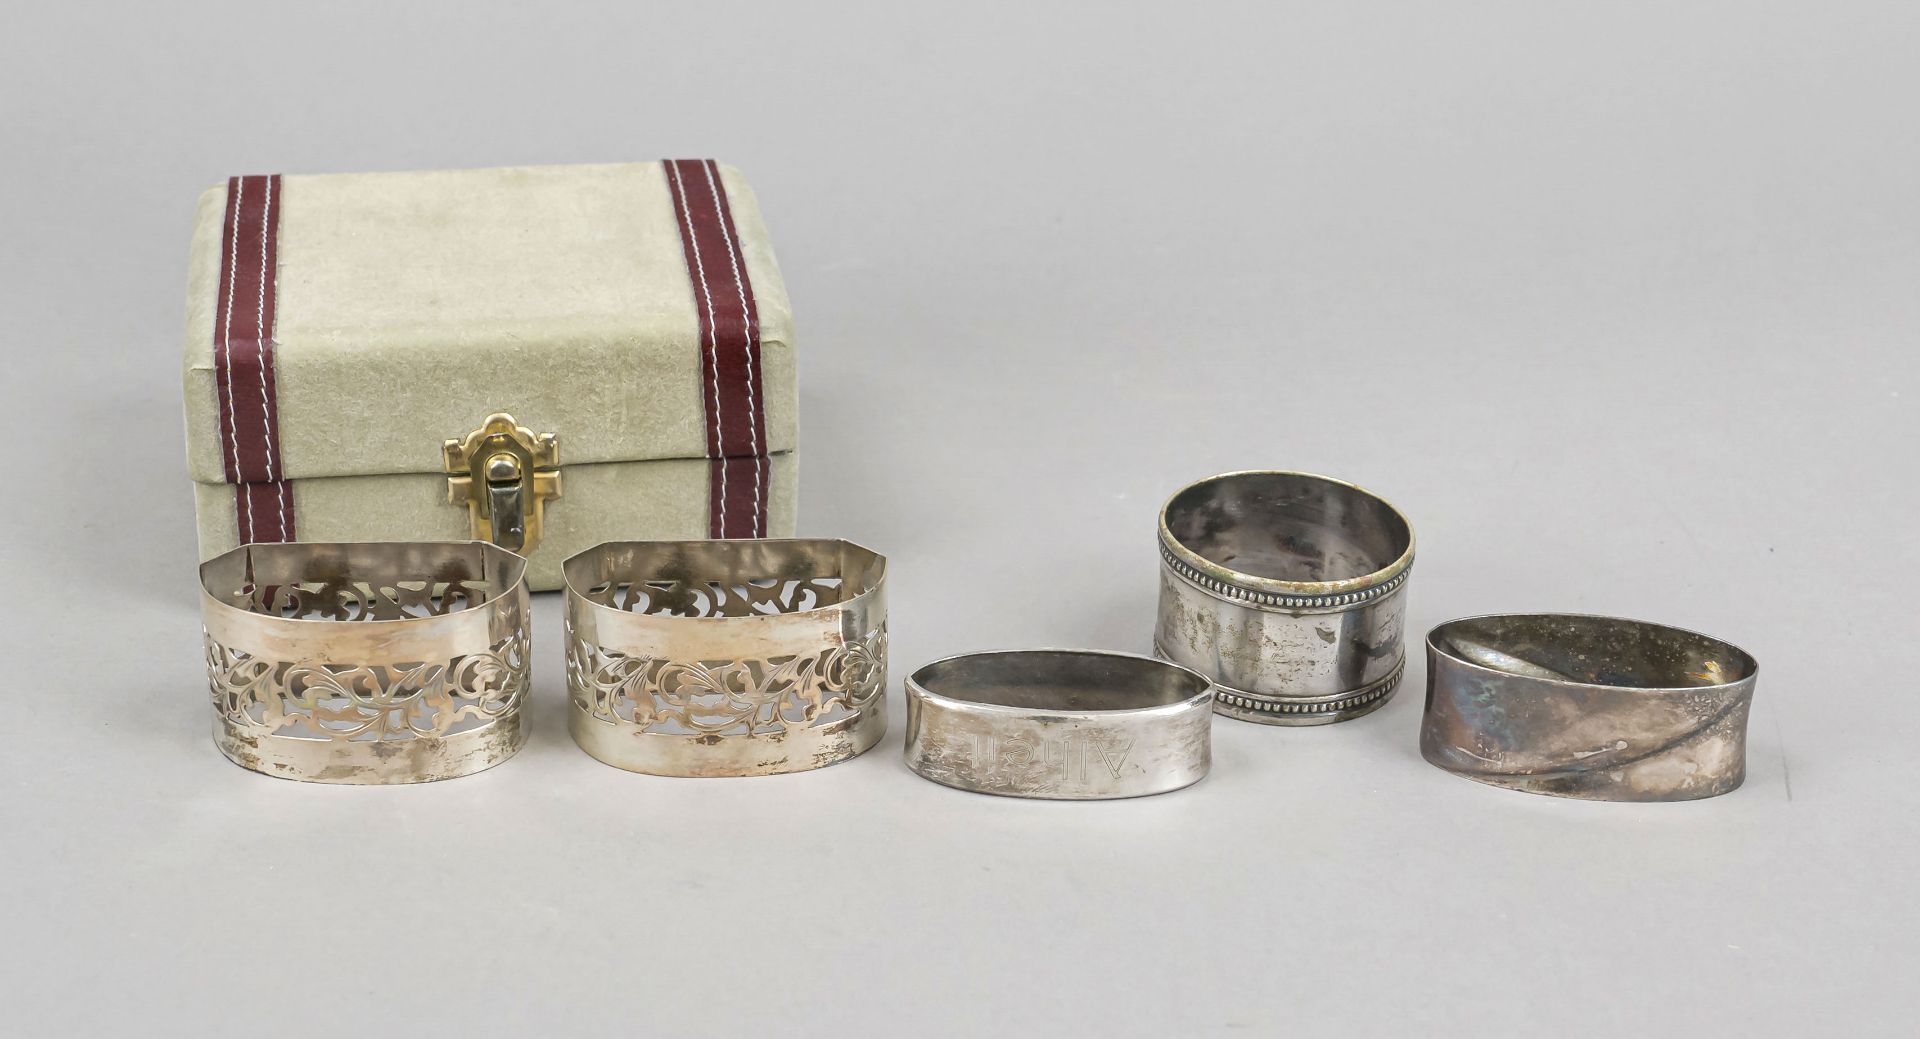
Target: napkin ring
x,y
726,658
1591,707
1061,724
1288,591
366,663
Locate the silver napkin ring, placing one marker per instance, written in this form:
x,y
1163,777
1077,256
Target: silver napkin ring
x,y
1591,707
726,658
1063,724
1287,590
368,663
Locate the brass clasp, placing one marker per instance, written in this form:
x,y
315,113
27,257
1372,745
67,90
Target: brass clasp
x,y
504,473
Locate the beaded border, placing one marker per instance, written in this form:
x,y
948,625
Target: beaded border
x,y
1289,602
1374,694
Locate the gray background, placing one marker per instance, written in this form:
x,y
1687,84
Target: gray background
x,y
1617,301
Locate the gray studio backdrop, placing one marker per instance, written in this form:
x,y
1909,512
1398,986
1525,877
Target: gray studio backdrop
x,y
1617,301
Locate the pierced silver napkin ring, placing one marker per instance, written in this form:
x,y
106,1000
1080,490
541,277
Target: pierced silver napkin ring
x,y
367,663
1288,591
726,658
1062,724
1599,708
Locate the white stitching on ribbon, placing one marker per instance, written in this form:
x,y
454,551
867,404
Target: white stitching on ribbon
x,y
239,192
750,333
266,335
719,424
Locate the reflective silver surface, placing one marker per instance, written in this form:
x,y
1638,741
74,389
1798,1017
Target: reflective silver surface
x,y
367,663
1288,591
1591,707
726,658
1059,724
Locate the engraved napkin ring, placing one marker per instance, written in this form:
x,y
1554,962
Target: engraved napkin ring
x,y
1591,707
726,658
367,663
1062,724
1286,589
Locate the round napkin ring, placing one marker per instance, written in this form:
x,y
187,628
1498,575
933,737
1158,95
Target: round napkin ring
x,y
1599,708
367,663
744,657
1286,589
1061,724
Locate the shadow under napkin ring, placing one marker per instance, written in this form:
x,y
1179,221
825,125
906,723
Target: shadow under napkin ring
x,y
1591,707
726,658
1288,591
367,663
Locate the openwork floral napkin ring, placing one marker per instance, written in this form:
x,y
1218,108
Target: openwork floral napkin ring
x,y
367,663
1599,708
726,658
1289,591
1061,724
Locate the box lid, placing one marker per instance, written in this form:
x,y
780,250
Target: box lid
x,y
406,307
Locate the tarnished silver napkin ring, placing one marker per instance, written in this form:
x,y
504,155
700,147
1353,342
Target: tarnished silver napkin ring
x,y
1592,707
1288,590
1063,724
367,663
726,658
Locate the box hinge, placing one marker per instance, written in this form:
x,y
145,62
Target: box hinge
x,y
504,473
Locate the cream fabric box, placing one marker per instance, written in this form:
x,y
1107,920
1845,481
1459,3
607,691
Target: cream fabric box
x,y
341,329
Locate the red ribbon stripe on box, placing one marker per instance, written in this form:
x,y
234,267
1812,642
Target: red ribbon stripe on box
x,y
243,361
733,391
